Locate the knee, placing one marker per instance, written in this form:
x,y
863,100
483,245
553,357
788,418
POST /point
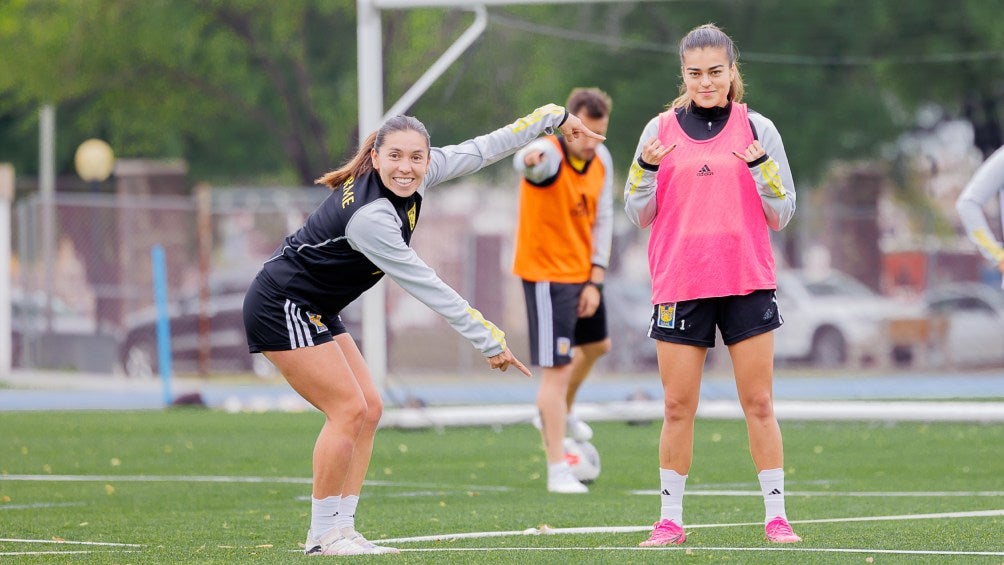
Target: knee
x,y
759,406
679,409
374,411
349,415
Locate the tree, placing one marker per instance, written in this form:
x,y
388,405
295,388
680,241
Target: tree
x,y
256,91
952,59
239,88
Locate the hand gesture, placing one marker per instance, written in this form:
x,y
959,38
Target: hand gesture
x,y
506,358
752,153
653,151
573,128
533,158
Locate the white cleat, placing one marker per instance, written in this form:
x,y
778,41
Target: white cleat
x,y
372,548
563,481
332,543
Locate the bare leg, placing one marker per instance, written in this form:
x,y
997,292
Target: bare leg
x,y
582,364
753,360
322,376
680,368
553,410
364,441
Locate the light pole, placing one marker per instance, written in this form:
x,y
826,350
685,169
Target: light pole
x,y
94,161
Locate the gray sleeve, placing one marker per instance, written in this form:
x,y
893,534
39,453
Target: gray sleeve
x,y
773,176
452,161
603,229
546,169
986,182
639,191
375,231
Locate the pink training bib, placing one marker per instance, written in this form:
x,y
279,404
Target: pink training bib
x,y
710,236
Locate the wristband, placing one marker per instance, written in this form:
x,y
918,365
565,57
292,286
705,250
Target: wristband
x,y
599,286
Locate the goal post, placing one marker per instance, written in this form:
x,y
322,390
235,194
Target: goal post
x,y
369,43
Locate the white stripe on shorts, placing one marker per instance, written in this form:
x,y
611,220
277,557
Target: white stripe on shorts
x,y
299,332
545,324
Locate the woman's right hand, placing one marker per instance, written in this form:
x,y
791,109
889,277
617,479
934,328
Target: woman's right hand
x,y
653,151
573,128
506,358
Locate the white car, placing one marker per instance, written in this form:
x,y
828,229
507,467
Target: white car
x,y
831,319
975,314
49,333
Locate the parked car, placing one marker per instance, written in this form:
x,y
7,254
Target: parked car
x,y
49,333
832,318
226,341
975,329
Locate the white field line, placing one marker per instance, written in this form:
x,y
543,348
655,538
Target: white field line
x,y
627,529
22,553
40,505
429,488
68,542
153,479
230,479
900,494
640,410
691,550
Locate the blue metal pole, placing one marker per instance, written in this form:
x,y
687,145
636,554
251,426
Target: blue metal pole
x,y
163,320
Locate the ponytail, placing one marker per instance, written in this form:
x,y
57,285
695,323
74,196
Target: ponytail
x,y
359,165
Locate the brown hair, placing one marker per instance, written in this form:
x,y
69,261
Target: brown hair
x,y
704,36
593,101
361,163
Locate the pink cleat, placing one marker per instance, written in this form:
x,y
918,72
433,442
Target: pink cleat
x,y
665,532
779,531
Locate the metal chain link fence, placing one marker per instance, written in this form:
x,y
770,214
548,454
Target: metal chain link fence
x,y
85,300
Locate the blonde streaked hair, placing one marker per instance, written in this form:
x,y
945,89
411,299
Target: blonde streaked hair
x,y
710,36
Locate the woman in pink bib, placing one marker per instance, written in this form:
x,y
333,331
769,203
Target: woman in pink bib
x,y
710,177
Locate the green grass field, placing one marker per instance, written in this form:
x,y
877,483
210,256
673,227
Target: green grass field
x,y
200,486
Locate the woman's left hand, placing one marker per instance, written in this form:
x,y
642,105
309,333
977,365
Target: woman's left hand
x,y
752,153
506,358
573,128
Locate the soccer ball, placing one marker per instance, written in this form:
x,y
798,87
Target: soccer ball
x,y
584,460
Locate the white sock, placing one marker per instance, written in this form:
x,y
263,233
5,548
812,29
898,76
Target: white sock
x,y
346,517
322,514
772,487
673,485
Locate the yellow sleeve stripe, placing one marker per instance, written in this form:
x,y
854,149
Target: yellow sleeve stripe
x,y
984,239
537,115
771,174
497,334
635,174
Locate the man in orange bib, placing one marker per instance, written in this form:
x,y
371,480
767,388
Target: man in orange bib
x,y
563,242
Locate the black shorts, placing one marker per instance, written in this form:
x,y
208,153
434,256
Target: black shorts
x,y
554,324
693,322
274,322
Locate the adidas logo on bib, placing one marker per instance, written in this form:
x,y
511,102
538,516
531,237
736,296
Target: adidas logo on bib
x,y
705,171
